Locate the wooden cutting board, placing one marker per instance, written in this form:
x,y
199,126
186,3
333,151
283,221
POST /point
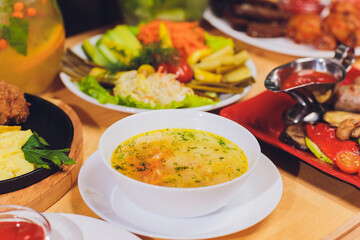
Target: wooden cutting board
x,y
43,194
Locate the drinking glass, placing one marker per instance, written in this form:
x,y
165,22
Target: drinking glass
x,y
32,38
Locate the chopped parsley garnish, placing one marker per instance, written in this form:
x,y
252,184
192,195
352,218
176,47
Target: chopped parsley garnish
x,y
192,147
143,168
117,167
181,168
221,142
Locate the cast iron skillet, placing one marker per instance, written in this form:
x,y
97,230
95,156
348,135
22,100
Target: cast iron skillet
x,y
52,124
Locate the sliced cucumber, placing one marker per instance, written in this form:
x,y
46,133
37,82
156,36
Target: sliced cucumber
x,y
108,55
124,37
88,49
93,54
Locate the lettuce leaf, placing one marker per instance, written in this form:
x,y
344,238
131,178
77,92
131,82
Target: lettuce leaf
x,y
90,86
191,101
188,102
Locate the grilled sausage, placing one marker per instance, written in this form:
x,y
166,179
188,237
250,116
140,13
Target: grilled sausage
x,y
347,98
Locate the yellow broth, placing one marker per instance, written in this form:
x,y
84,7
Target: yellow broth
x,y
179,158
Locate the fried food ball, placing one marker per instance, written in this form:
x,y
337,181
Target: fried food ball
x,y
13,106
325,42
338,25
304,28
343,23
345,7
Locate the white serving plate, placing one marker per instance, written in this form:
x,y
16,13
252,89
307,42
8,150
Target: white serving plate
x,y
65,226
280,45
225,99
263,192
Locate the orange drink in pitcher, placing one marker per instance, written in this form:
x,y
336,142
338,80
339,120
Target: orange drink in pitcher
x,y
32,38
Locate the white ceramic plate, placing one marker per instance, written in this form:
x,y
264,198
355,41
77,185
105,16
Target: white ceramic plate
x,y
258,197
67,226
225,99
279,45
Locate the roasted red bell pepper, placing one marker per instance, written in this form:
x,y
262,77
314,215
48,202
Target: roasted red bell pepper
x,y
323,141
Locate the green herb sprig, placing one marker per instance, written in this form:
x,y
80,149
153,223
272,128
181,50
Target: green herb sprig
x,y
153,54
35,150
16,34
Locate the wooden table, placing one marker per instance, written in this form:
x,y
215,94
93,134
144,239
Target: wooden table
x,y
312,206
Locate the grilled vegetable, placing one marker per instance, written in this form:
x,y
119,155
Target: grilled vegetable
x,y
317,151
346,98
294,135
323,136
346,128
334,118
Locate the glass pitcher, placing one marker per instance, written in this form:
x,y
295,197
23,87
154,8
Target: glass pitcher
x,y
32,38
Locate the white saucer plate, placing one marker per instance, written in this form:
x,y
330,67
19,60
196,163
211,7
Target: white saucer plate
x,y
280,45
225,99
257,198
65,226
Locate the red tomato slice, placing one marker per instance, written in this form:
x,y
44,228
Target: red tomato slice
x,y
182,70
348,162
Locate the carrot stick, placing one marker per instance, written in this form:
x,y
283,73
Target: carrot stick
x,y
186,36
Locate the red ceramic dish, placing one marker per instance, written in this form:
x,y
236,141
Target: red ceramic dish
x,y
262,116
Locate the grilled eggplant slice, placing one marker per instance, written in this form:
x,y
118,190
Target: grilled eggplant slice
x,y
294,135
334,118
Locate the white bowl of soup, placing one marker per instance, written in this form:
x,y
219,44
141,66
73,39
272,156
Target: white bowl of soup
x,y
179,163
